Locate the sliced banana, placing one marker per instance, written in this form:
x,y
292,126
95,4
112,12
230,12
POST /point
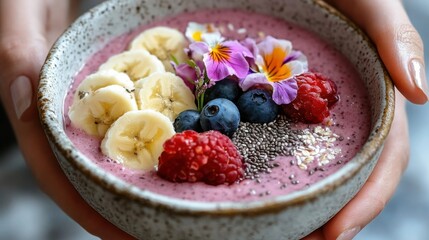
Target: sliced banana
x,y
96,112
102,79
165,93
136,64
136,139
163,42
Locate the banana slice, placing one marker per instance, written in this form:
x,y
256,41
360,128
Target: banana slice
x,y
165,93
102,79
96,112
136,64
136,139
162,42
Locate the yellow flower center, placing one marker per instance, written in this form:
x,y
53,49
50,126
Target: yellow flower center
x,y
197,36
220,53
274,68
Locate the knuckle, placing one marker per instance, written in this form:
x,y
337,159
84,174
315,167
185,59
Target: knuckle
x,y
10,51
378,201
379,204
408,35
14,50
404,158
19,57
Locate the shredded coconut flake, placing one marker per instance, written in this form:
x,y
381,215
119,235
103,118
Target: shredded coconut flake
x,y
319,145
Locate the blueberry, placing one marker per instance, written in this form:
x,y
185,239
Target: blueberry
x,y
257,106
187,120
221,115
226,88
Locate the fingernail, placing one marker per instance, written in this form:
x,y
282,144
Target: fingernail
x,y
417,72
22,94
349,234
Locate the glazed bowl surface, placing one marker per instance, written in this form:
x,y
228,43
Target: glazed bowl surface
x,y
147,215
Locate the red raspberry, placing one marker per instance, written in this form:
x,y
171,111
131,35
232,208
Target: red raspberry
x,y
316,94
210,157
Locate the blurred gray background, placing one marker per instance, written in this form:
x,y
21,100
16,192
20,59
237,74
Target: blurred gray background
x,y
27,214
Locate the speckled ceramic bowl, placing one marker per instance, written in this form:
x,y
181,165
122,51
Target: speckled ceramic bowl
x,y
151,216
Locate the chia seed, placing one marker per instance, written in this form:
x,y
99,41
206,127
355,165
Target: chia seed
x,y
260,144
295,182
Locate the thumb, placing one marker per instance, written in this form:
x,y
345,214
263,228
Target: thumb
x,y
398,43
23,49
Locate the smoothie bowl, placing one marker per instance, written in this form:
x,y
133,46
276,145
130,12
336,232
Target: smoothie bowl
x,y
208,120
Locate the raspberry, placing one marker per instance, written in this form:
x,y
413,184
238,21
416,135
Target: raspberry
x,y
210,157
316,94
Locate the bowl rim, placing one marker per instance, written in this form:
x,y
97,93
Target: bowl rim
x,y
57,136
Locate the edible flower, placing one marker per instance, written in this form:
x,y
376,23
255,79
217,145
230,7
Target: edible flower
x,y
195,31
250,44
222,58
276,65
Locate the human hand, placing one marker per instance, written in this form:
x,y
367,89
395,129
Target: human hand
x,y
27,30
401,49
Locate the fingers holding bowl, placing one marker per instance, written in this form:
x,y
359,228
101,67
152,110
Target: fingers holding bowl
x,y
26,31
381,185
180,210
378,189
399,44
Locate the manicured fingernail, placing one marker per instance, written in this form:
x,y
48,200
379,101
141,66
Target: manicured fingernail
x,y
417,72
22,94
349,234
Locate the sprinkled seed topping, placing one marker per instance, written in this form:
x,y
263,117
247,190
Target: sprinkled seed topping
x,y
318,145
260,144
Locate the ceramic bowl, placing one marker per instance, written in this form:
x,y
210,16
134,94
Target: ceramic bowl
x,y
147,215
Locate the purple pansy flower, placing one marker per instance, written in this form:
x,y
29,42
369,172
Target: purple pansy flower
x,y
250,44
222,58
277,64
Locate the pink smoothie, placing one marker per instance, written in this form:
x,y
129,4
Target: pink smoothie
x,y
350,116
